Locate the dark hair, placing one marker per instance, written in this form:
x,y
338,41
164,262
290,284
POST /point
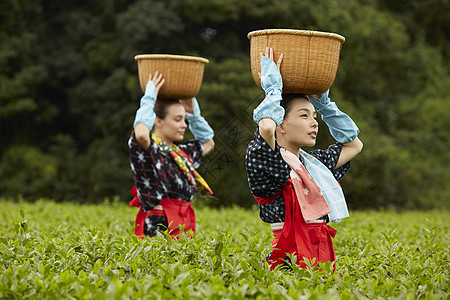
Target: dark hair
x,y
286,103
161,107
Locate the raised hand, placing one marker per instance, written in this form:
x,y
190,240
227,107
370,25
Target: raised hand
x,y
315,96
269,54
158,81
188,104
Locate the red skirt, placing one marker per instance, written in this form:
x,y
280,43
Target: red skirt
x,y
178,213
320,237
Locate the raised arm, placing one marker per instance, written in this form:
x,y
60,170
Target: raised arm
x,y
269,114
145,115
341,127
208,146
349,150
198,125
142,134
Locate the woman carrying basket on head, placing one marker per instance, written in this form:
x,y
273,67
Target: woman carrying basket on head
x,y
298,192
164,173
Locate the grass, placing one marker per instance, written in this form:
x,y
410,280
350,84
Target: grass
x,y
72,251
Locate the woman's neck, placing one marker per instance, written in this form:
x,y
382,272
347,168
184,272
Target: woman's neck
x,y
167,141
295,149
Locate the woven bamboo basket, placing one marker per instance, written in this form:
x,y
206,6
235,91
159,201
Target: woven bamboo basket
x,y
310,58
183,74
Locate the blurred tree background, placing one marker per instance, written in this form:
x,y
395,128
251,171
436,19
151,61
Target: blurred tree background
x,y
69,91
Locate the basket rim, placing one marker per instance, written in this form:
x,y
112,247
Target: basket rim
x,y
171,57
296,32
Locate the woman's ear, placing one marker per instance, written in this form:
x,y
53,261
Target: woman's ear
x,y
280,128
159,122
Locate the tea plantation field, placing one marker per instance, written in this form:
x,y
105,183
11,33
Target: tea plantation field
x,y
52,251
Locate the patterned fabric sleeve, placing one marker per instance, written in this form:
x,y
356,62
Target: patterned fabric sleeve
x,y
194,149
330,157
266,170
146,168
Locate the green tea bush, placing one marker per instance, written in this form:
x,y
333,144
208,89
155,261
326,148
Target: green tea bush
x,y
50,250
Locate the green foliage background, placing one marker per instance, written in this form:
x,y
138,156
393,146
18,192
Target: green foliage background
x,y
54,250
69,91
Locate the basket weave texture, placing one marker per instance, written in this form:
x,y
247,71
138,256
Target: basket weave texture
x,y
183,74
310,58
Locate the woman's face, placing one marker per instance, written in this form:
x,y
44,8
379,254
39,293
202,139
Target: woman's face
x,y
300,126
172,127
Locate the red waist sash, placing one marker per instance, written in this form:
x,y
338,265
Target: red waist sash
x,y
178,212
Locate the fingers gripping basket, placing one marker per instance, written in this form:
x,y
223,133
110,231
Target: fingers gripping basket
x,y
183,74
310,58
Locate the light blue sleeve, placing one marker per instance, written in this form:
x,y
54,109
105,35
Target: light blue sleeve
x,y
341,126
198,125
146,114
272,84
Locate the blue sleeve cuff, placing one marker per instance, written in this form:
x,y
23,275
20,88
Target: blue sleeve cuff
x,y
198,125
322,102
341,126
269,108
197,111
272,84
271,81
146,114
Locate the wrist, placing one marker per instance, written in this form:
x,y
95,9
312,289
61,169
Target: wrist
x,y
196,110
191,117
322,102
150,89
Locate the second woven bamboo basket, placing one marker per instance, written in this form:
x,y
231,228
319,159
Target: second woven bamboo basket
x,y
183,74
